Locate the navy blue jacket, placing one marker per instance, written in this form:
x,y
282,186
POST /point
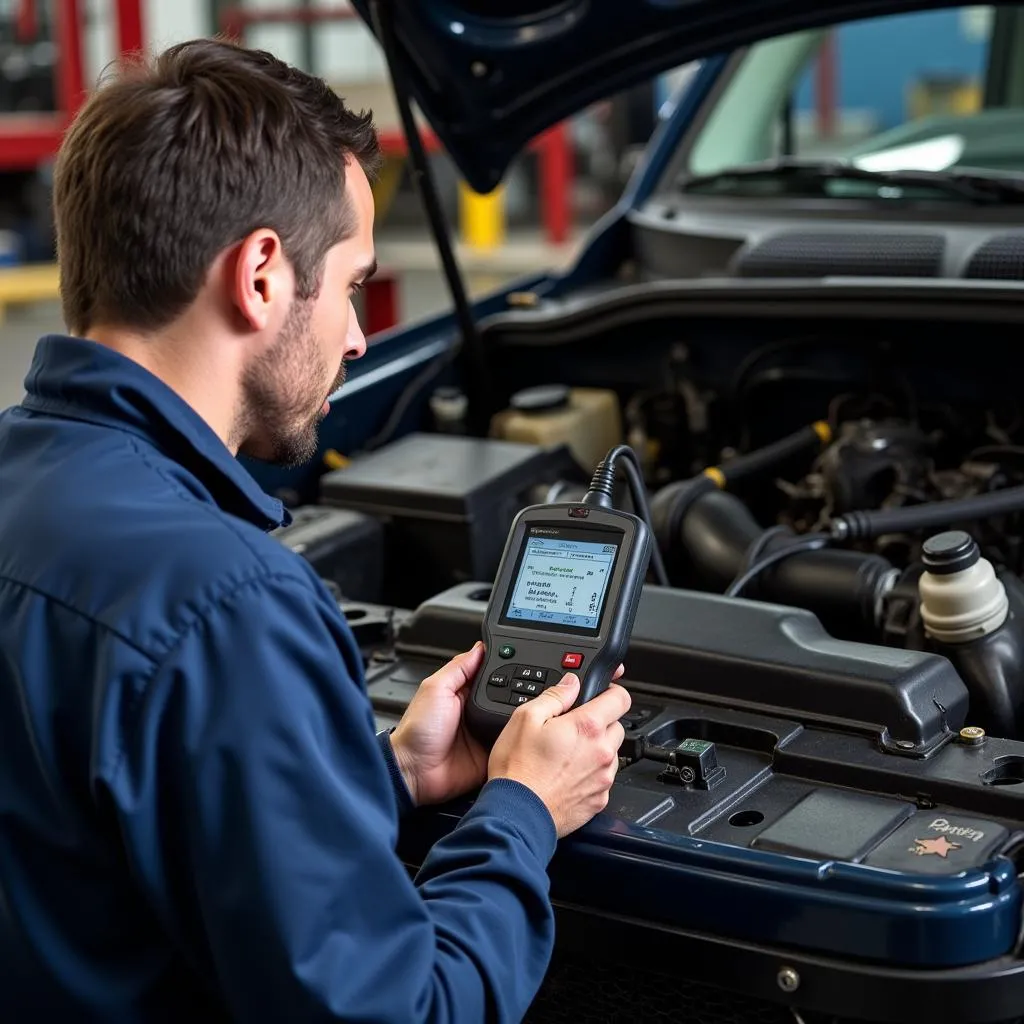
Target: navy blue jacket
x,y
197,819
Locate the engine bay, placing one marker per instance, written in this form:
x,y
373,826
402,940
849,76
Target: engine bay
x,y
828,689
834,452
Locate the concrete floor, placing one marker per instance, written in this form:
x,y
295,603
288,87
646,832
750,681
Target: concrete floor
x,y
423,292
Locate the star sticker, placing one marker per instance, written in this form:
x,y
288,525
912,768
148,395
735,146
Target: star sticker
x,y
940,846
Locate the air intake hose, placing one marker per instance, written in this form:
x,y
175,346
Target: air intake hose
x,y
843,588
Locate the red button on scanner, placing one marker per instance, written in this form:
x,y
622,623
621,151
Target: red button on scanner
x,y
572,660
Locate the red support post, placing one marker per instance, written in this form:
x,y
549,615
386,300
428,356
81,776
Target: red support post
x,y
555,182
380,303
232,24
130,37
26,21
70,71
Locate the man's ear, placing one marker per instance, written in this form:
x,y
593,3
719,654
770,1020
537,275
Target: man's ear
x,y
262,278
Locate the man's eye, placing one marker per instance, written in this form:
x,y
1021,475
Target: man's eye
x,y
357,286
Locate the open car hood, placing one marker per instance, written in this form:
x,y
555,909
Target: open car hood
x,y
489,75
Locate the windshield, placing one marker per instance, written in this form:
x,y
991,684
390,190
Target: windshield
x,y
932,91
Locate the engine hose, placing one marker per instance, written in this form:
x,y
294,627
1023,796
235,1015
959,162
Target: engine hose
x,y
843,588
742,467
868,525
670,505
811,542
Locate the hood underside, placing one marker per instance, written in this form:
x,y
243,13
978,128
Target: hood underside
x,y
490,75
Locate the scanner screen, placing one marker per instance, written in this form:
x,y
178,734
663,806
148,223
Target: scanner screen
x,y
562,580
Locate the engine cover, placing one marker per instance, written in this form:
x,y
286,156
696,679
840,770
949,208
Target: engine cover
x,y
782,789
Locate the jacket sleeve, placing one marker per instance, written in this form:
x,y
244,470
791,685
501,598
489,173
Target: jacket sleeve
x,y
403,797
257,811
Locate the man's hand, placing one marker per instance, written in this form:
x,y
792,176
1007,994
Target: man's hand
x,y
438,758
567,757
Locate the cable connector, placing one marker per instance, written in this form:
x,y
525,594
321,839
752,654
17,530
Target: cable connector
x,y
602,483
602,488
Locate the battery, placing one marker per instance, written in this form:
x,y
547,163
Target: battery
x,y
447,503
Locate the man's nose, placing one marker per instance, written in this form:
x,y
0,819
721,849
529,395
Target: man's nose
x,y
355,342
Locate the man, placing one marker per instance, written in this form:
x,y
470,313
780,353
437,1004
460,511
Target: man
x,y
197,821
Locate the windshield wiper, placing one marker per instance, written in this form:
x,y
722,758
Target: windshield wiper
x,y
812,177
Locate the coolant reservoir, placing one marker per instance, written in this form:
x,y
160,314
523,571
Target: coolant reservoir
x,y
588,420
961,596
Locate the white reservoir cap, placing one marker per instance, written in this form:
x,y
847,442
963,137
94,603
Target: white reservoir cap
x,y
961,596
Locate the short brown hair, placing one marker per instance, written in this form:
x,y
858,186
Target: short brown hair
x,y
177,158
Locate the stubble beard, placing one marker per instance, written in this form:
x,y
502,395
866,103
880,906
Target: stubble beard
x,y
283,394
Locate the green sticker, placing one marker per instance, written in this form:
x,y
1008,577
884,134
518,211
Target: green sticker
x,y
694,746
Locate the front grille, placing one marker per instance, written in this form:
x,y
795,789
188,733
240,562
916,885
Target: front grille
x,y
827,254
999,259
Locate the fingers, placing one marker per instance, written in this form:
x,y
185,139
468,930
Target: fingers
x,y
462,669
616,735
555,700
595,716
470,662
609,706
619,672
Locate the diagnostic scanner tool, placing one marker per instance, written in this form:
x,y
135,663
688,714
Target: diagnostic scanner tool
x,y
564,600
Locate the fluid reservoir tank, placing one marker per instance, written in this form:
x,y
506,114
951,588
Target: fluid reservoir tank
x,y
588,420
961,596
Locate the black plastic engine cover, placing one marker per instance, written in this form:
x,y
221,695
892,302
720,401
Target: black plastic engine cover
x,y
745,654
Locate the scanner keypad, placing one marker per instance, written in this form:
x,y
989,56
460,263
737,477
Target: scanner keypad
x,y
528,687
526,682
517,683
531,673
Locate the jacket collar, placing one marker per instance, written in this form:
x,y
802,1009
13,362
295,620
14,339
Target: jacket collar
x,y
82,380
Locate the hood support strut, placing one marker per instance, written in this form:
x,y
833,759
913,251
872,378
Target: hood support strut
x,y
469,351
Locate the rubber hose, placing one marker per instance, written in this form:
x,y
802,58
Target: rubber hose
x,y
867,525
771,455
717,532
670,505
843,588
